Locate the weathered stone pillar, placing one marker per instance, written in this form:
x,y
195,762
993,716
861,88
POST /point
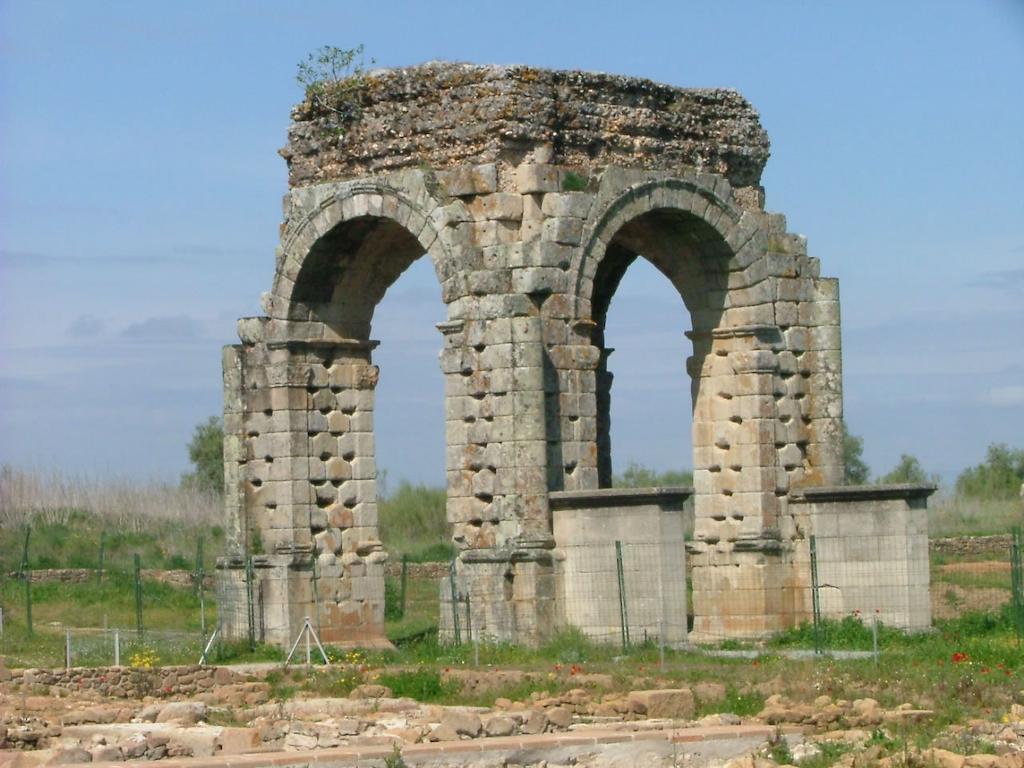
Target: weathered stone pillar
x,y
497,469
304,486
737,555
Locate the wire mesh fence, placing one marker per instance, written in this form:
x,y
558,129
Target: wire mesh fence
x,y
839,593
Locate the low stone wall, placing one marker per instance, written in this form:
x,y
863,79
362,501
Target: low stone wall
x,y
998,546
649,591
177,578
118,682
872,551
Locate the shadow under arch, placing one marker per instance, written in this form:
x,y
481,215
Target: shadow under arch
x,y
338,260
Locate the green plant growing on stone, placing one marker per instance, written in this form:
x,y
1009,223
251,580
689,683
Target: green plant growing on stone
x,y
778,748
334,82
395,759
572,182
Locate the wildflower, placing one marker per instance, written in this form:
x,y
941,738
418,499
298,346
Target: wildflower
x,y
959,657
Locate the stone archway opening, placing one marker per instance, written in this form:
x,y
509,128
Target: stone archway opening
x,y
650,413
309,531
410,418
694,259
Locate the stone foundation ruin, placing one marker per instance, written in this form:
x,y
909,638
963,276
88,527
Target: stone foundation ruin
x,y
532,192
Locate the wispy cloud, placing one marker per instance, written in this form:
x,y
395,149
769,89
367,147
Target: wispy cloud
x,y
1005,397
206,250
86,327
32,259
1008,280
164,329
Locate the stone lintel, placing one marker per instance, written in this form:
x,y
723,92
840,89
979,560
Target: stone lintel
x,y
300,344
299,558
767,545
449,327
619,497
536,554
735,332
841,493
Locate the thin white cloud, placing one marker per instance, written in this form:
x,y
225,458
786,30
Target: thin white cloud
x,y
86,327
169,328
1005,397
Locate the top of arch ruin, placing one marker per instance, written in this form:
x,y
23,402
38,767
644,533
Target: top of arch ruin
x,y
443,114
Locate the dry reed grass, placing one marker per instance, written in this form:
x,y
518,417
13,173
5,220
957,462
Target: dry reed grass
x,y
128,505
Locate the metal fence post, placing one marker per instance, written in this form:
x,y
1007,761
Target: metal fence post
x,y
623,606
28,602
1017,581
316,593
99,565
138,594
250,613
67,649
405,577
456,630
815,597
23,568
117,648
197,574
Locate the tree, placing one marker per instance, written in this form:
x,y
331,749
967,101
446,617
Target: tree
x,y
856,471
637,476
334,82
908,470
998,477
206,452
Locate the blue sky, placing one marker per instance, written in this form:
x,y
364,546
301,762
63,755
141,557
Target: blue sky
x,y
140,192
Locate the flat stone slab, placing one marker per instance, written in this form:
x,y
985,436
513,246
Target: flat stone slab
x,y
717,741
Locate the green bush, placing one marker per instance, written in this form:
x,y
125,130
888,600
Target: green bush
x,y
206,452
908,470
637,476
1000,476
393,608
412,522
424,685
856,470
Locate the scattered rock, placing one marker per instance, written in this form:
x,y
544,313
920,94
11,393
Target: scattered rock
x,y
106,753
559,718
943,758
462,722
444,732
370,691
300,741
805,751
182,712
669,703
500,725
710,693
71,756
534,721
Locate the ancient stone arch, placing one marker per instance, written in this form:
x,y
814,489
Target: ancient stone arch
x,y
531,192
